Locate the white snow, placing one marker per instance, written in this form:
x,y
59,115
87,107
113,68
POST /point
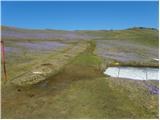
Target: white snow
x,y
136,73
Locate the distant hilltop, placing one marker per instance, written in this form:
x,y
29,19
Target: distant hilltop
x,y
49,29
135,34
142,28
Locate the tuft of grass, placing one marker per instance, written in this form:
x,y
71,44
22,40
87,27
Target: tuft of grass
x,y
87,60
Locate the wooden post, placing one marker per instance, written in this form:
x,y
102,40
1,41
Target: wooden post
x,y
3,59
146,74
118,71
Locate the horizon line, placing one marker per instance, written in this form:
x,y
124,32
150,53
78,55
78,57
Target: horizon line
x,y
16,27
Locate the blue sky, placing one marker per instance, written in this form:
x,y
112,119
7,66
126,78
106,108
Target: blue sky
x,y
80,15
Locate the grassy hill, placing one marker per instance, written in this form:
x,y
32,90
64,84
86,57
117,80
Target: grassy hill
x,y
145,36
79,89
19,33
142,35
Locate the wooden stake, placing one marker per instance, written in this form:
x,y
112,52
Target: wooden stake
x,y
3,59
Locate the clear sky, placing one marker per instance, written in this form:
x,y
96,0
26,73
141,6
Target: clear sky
x,y
80,15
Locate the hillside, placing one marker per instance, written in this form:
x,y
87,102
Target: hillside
x,y
11,32
145,36
60,74
142,35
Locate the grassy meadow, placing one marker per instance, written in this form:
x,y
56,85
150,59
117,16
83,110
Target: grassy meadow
x,y
79,89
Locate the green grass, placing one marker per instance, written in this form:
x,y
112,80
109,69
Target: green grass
x,y
100,98
88,59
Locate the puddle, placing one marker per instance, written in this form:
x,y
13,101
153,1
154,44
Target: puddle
x,y
135,73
